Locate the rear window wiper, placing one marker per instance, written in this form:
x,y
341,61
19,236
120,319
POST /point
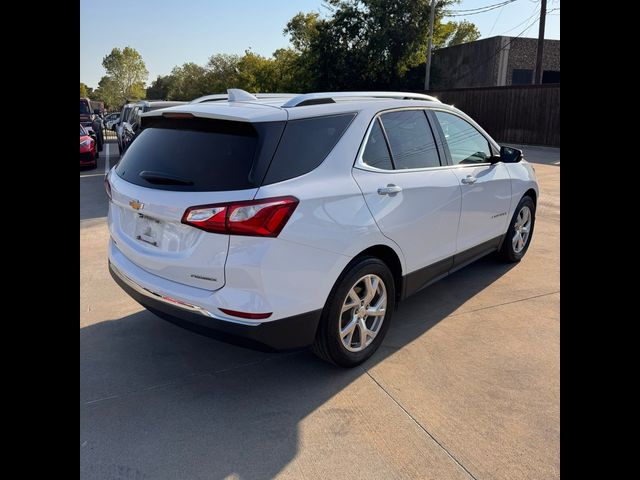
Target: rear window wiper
x,y
160,178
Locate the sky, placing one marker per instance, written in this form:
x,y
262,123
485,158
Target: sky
x,y
169,33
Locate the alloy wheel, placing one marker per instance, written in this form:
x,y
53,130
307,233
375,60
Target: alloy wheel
x,y
522,228
363,312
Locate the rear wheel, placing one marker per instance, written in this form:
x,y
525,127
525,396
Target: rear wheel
x,y
518,237
357,314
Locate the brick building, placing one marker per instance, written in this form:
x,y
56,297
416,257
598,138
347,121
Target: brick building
x,y
494,61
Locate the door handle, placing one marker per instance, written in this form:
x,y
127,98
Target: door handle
x,y
469,180
390,189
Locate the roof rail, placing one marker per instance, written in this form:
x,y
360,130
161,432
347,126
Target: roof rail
x,y
219,97
328,97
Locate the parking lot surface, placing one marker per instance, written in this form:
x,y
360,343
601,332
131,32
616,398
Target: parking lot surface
x,y
465,385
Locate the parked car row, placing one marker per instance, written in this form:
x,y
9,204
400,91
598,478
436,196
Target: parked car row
x,y
128,123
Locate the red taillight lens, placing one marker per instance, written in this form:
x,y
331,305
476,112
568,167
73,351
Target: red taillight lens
x,y
107,186
260,218
210,218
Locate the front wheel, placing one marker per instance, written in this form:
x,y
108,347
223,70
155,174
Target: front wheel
x,y
357,314
518,237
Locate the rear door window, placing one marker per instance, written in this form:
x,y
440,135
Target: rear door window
x,y
305,144
411,140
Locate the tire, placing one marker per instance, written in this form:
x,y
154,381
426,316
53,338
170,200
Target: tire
x,y
512,250
328,343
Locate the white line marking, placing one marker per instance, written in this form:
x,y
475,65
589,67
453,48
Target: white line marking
x,y
106,160
93,175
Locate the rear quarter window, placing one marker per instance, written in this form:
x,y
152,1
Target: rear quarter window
x,y
305,144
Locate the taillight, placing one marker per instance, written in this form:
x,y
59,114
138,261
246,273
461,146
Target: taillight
x,y
107,186
259,218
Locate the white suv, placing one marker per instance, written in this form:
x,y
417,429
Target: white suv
x,y
289,221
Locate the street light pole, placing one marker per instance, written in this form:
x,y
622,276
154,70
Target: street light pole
x,y
427,73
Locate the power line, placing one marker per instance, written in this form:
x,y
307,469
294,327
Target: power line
x,y
533,14
464,13
496,21
482,8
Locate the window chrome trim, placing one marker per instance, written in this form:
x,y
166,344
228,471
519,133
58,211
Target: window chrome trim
x,y
359,162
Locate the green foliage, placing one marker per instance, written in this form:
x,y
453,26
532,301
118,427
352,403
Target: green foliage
x,y
127,71
160,88
85,91
187,82
454,33
371,44
107,92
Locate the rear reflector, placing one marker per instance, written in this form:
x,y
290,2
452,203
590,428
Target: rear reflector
x,y
253,316
259,218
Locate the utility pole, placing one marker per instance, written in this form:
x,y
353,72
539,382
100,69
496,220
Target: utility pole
x,y
427,73
537,78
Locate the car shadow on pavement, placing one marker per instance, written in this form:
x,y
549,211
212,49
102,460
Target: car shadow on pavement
x,y
158,401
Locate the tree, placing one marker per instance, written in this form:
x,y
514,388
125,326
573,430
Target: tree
x,y
128,72
107,92
188,82
85,91
455,33
160,87
223,72
370,44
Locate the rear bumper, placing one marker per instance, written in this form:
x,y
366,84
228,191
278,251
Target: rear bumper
x,y
287,333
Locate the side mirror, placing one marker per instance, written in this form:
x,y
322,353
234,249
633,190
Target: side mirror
x,y
510,154
96,111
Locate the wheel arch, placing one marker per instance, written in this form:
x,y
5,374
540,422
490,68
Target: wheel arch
x,y
391,258
534,196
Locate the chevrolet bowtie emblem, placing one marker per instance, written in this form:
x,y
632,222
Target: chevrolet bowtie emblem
x,y
136,204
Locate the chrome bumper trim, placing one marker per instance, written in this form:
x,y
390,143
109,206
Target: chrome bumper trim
x,y
172,301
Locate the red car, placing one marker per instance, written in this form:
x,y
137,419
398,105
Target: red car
x,y
88,151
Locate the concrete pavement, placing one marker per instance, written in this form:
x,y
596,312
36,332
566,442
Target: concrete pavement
x,y
466,384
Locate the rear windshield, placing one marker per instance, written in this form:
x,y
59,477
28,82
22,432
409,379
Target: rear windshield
x,y
84,108
191,156
205,155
